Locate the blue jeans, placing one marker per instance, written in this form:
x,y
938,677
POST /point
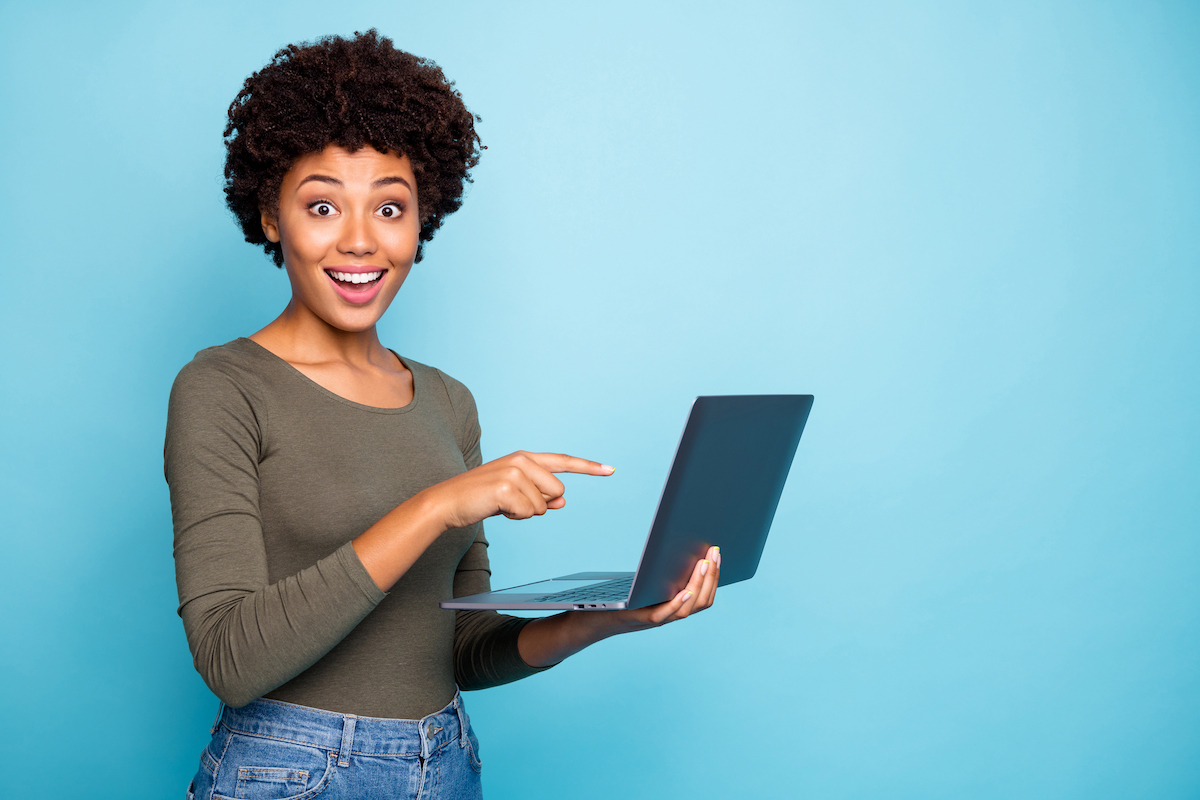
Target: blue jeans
x,y
270,750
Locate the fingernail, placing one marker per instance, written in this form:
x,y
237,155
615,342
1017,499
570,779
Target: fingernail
x,y
718,555
687,594
608,469
704,567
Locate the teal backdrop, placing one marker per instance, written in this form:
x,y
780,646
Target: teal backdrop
x,y
971,230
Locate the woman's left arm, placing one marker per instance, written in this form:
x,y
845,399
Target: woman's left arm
x,y
547,641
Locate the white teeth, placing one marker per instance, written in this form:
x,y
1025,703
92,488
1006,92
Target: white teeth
x,y
357,277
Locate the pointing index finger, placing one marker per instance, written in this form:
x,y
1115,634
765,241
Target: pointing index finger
x,y
560,462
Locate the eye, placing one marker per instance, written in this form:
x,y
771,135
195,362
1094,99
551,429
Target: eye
x,y
390,210
322,208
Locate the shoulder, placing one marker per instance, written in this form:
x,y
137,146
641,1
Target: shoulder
x,y
225,375
232,361
460,396
216,410
443,388
452,397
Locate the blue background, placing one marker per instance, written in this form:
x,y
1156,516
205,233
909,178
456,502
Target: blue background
x,y
971,230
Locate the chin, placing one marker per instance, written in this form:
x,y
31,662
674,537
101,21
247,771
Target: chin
x,y
352,326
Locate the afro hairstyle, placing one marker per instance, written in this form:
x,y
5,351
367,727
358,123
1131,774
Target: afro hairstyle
x,y
352,93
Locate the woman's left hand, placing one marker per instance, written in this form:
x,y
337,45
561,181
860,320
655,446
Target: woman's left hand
x,y
698,595
549,640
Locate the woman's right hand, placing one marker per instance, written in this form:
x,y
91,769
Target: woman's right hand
x,y
519,486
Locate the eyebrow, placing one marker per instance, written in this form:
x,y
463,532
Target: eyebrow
x,y
388,181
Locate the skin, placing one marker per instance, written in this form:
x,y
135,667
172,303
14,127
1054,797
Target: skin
x,y
344,210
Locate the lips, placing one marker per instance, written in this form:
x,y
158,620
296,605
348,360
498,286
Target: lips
x,y
357,285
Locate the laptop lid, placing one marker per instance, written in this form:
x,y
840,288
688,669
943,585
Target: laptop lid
x,y
723,488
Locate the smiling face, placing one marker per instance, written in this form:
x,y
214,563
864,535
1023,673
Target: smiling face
x,y
349,227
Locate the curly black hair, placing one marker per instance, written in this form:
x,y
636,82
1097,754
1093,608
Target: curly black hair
x,y
349,92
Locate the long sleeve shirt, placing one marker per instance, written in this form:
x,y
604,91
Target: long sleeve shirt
x,y
271,477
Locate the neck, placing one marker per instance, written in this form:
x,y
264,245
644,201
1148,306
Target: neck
x,y
301,337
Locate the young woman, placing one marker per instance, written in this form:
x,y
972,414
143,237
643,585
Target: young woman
x,y
327,493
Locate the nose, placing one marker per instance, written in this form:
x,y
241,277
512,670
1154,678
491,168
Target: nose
x,y
357,236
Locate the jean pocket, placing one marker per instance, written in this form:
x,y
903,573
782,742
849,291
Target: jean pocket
x,y
473,750
261,768
270,783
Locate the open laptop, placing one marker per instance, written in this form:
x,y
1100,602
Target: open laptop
x,y
729,469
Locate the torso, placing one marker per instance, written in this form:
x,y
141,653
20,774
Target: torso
x,y
255,444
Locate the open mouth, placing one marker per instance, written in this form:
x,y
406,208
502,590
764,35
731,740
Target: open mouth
x,y
354,282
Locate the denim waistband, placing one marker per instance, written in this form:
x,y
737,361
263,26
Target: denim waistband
x,y
349,733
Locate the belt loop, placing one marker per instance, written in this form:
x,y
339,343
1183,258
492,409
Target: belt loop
x,y
348,723
217,722
463,722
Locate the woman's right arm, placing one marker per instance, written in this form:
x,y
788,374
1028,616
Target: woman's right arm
x,y
519,486
247,635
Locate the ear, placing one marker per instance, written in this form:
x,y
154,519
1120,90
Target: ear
x,y
270,227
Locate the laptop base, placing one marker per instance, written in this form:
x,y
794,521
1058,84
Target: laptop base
x,y
526,597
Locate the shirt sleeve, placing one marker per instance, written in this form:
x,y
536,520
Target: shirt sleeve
x,y
485,642
247,636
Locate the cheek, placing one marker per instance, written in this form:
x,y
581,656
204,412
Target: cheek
x,y
400,250
307,244
303,238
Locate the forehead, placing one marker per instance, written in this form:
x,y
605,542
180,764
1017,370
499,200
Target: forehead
x,y
363,167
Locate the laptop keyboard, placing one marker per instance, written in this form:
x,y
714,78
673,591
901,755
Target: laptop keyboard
x,y
612,590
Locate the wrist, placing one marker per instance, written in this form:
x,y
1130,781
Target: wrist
x,y
393,544
431,508
597,625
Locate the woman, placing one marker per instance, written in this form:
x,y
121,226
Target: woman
x,y
327,494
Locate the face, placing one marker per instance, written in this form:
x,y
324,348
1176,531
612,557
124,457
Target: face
x,y
348,225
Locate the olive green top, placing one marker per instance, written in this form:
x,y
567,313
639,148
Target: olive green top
x,y
271,477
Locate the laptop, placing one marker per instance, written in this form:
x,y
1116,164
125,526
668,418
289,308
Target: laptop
x,y
724,485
